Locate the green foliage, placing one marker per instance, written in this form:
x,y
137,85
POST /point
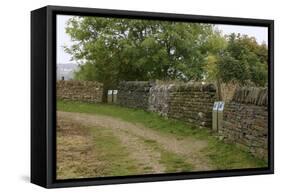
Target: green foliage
x,y
244,61
236,59
112,49
215,45
232,69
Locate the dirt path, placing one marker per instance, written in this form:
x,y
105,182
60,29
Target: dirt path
x,y
132,136
146,157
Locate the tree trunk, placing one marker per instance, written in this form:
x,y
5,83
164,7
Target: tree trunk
x,y
219,89
104,94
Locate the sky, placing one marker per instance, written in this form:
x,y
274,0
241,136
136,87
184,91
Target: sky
x,y
260,33
63,39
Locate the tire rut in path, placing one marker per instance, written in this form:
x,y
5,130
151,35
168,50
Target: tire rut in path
x,y
146,158
131,134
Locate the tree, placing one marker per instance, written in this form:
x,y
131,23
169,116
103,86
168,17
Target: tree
x,y
112,49
235,58
215,46
244,61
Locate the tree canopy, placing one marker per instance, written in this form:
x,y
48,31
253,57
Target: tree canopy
x,y
114,49
244,61
138,49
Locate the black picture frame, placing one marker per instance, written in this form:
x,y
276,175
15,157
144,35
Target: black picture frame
x,y
43,96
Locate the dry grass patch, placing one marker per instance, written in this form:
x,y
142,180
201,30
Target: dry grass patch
x,y
76,156
89,152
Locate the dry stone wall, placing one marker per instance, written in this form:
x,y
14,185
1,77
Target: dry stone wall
x,y
134,94
245,121
192,103
187,102
159,96
84,91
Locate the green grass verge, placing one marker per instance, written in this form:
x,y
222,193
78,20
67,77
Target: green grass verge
x,y
222,155
229,156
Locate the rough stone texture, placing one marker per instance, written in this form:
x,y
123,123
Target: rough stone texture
x,y
134,94
158,100
246,123
84,91
192,103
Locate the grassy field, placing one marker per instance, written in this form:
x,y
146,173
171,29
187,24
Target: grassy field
x,y
220,155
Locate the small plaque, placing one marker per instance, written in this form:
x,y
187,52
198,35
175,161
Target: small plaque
x,y
216,104
220,106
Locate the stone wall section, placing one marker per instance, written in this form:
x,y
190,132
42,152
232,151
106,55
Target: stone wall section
x,y
245,121
159,97
84,91
192,103
134,94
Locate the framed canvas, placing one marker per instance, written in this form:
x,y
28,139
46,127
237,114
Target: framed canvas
x,y
128,96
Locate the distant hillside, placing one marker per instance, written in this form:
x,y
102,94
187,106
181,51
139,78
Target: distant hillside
x,y
66,70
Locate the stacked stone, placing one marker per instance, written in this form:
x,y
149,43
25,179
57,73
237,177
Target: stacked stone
x,y
84,91
192,103
134,94
159,96
246,121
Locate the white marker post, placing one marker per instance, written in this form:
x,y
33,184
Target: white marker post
x,y
220,115
115,92
215,116
109,96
